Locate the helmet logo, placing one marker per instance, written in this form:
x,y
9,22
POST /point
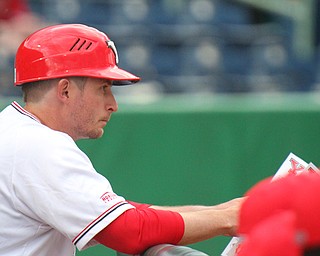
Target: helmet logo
x,y
114,49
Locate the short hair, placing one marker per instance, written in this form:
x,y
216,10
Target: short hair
x,y
34,91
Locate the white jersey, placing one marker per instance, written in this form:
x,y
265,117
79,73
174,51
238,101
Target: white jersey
x,y
52,199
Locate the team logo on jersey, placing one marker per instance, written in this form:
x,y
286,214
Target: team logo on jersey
x,y
108,196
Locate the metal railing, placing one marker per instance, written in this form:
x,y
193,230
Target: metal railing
x,y
168,250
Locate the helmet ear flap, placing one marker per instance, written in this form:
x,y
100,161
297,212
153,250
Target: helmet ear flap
x,y
69,50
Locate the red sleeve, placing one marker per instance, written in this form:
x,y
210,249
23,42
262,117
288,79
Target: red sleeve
x,y
135,230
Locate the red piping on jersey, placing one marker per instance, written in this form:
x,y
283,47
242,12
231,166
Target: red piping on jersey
x,y
96,221
23,111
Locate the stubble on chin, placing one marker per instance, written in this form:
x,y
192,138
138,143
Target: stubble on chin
x,y
96,134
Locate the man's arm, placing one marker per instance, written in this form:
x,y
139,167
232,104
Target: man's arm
x,y
204,222
138,229
202,225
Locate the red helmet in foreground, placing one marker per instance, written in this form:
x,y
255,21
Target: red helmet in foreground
x,y
69,50
281,217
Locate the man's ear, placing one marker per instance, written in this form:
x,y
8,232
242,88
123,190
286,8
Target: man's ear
x,y
63,89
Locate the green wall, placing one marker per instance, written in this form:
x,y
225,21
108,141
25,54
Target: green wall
x,y
202,150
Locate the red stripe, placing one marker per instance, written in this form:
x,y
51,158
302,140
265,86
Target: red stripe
x,y
101,216
23,111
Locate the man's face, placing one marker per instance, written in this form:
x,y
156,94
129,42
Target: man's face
x,y
91,109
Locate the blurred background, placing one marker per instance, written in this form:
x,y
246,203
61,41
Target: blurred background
x,y
186,46
229,88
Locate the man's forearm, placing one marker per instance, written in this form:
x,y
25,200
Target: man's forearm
x,y
204,222
202,225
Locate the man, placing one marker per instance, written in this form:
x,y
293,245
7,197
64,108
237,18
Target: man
x,y
51,197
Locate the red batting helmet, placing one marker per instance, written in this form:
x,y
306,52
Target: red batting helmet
x,y
69,50
281,217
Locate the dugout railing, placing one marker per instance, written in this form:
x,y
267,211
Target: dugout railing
x,y
168,250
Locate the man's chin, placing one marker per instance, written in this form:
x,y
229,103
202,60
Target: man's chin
x,y
96,134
